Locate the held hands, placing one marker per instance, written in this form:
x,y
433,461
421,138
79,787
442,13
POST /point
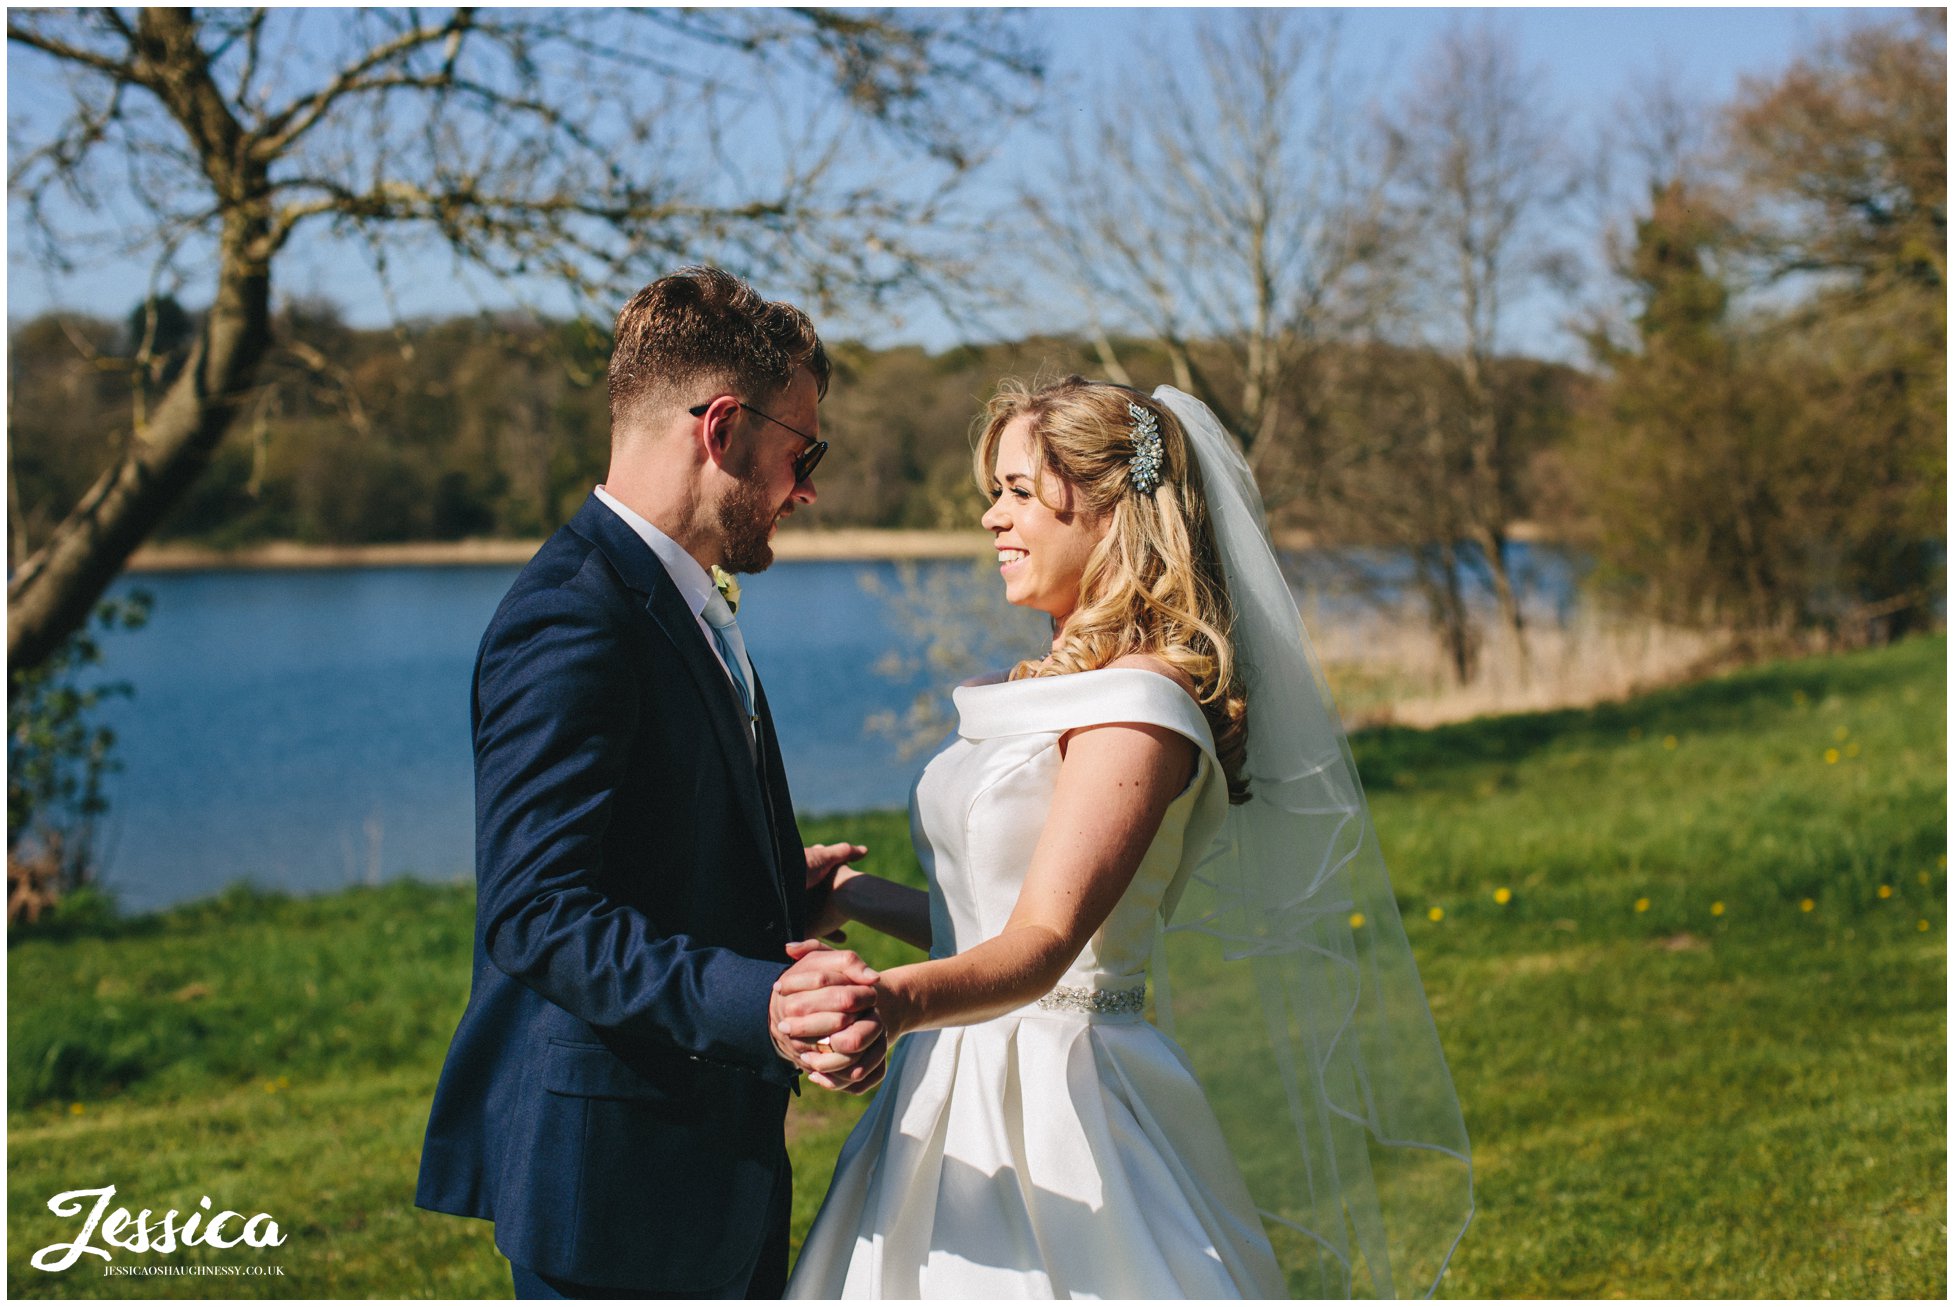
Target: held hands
x,y
823,1018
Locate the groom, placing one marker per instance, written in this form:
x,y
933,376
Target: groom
x,y
615,1095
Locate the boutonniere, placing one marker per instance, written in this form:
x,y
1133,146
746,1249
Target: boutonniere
x,y
728,587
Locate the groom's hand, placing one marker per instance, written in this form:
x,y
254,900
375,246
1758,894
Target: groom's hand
x,y
828,996
827,868
823,860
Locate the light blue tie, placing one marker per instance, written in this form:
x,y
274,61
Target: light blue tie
x,y
732,649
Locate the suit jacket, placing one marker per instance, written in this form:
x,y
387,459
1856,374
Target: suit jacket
x,y
612,1099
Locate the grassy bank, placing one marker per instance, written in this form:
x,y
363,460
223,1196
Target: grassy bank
x,y
1699,1036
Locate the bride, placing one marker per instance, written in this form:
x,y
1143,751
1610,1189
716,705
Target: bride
x,y
1166,791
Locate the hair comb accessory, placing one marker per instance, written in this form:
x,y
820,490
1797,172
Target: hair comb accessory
x,y
1146,449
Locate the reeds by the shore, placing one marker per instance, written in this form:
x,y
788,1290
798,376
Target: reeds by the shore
x,y
1388,668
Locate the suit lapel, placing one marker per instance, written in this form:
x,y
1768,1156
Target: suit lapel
x,y
640,569
787,840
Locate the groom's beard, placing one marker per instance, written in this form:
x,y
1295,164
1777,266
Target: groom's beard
x,y
745,521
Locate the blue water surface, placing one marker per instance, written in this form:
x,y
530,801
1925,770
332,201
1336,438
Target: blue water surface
x,y
304,730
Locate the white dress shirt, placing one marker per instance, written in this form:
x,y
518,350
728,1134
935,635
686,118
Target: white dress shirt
x,y
693,581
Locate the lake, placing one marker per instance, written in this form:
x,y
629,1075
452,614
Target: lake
x,y
305,730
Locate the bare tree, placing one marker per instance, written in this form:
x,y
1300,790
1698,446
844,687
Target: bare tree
x,y
1222,206
1485,177
585,147
1238,208
1399,463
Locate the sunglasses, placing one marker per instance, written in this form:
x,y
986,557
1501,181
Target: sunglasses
x,y
810,457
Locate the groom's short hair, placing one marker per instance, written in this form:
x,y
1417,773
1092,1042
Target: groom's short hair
x,y
705,327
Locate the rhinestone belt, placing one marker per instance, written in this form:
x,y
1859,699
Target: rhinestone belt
x,y
1078,998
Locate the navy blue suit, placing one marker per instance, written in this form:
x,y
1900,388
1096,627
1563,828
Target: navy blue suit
x,y
612,1100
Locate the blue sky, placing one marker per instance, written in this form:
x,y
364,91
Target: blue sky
x,y
1588,60
1588,57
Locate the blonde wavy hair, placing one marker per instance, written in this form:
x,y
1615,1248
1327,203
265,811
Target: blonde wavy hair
x,y
1154,584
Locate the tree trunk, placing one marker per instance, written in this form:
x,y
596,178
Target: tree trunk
x,y
1487,512
54,591
1492,543
1438,578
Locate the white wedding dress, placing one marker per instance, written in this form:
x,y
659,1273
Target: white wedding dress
x,y
1063,1150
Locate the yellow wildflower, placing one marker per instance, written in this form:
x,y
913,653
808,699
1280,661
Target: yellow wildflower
x,y
1668,741
1886,891
1925,879
1356,921
1922,926
76,1109
1840,734
1831,756
1852,750
1436,914
1641,905
1806,905
1716,909
1502,895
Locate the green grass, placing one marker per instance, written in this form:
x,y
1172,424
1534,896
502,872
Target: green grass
x,y
1662,1101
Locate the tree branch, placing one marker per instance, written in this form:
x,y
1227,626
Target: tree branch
x,y
122,70
284,126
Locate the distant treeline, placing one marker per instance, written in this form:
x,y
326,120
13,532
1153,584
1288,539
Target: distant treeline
x,y
1754,438
497,427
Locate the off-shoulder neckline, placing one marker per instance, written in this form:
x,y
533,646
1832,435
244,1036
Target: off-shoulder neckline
x,y
1042,704
1062,678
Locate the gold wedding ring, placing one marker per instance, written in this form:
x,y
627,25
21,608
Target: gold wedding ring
x,y
824,1046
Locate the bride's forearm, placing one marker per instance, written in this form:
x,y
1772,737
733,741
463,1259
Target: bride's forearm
x,y
997,976
883,905
1113,786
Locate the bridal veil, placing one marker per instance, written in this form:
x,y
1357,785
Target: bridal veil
x,y
1284,972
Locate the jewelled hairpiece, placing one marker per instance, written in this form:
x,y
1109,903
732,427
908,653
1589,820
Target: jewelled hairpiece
x,y
1145,463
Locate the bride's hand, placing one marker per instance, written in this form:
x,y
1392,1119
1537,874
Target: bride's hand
x,y
853,1072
